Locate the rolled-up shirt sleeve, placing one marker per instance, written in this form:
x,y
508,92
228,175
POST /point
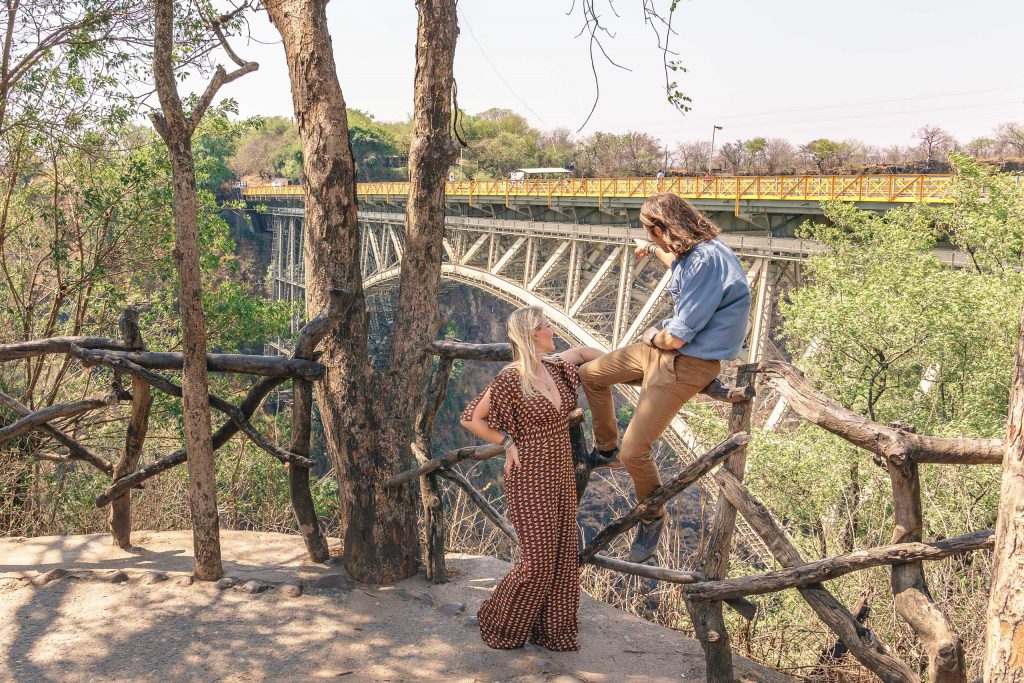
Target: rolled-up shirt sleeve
x,y
700,293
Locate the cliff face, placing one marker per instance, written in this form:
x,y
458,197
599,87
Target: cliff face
x,y
253,247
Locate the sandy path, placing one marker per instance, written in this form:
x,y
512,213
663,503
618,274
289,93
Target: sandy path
x,y
84,628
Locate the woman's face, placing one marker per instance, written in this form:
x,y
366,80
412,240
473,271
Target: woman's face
x,y
656,234
544,337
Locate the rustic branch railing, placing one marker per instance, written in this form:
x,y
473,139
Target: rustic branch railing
x,y
705,590
129,357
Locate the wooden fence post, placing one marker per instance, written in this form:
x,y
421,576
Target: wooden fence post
x,y
909,589
120,516
430,491
310,335
298,475
707,617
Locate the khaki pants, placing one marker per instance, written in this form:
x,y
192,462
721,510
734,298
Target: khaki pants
x,y
668,380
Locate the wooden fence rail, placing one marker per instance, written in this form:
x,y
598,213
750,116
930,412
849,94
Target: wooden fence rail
x,y
898,447
129,357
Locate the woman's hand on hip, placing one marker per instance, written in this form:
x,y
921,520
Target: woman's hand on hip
x,y
511,459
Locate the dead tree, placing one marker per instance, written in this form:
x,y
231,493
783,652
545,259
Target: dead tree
x,y
368,415
177,128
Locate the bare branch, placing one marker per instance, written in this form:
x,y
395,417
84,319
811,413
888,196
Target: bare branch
x,y
54,412
76,451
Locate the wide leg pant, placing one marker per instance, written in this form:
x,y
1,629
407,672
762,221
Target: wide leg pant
x,y
669,380
538,599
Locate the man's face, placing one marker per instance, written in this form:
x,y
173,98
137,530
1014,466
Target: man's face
x,y
654,232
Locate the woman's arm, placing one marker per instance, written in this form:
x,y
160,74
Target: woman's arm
x,y
477,424
580,354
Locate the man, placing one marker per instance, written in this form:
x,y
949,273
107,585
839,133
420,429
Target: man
x,y
675,360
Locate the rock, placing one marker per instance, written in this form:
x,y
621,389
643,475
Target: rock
x,y
453,608
425,598
184,581
291,589
337,581
254,587
471,622
47,577
118,576
405,594
155,577
564,678
225,583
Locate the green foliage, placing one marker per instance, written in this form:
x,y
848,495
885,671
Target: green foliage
x,y
888,329
897,334
270,147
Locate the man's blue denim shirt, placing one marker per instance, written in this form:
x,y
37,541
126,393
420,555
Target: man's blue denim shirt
x,y
712,302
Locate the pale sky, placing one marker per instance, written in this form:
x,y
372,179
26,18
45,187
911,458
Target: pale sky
x,y
800,69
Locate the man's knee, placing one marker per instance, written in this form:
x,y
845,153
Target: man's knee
x,y
589,377
638,456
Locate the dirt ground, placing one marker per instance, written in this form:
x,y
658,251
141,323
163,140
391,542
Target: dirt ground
x,y
136,617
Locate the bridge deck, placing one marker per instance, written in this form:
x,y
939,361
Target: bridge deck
x,y
886,189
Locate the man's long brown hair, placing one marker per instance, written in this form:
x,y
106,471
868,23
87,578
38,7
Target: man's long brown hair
x,y
682,225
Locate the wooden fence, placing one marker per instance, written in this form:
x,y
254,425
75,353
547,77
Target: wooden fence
x,y
895,447
127,357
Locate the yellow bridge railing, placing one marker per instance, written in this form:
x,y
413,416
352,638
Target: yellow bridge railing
x,y
858,188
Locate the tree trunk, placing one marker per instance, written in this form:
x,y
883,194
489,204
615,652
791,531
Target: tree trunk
x,y
368,417
1004,643
202,486
176,129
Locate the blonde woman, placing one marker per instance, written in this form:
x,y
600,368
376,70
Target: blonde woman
x,y
525,408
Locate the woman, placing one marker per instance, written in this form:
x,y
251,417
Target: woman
x,y
525,408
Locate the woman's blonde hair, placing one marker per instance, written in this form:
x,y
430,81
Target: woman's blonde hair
x,y
682,225
522,323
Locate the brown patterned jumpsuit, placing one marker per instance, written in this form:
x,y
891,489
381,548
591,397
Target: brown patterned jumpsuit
x,y
539,598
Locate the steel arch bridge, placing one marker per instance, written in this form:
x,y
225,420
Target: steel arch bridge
x,y
593,289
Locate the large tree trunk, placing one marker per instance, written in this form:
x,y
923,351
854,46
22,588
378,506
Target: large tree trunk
x,y
177,134
368,417
1004,644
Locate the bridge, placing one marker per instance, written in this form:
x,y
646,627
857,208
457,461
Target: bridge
x,y
585,276
775,205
